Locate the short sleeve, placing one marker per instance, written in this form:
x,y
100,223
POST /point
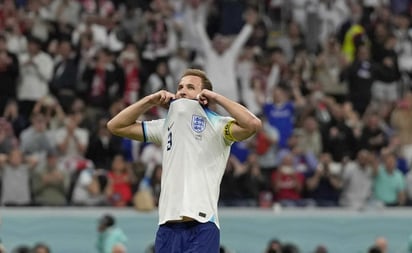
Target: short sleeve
x,y
152,131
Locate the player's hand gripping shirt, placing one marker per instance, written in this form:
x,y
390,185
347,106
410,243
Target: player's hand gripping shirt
x,y
195,153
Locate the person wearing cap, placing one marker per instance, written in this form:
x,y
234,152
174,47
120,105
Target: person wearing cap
x,y
109,235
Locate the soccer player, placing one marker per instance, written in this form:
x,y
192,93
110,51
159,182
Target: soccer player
x,y
196,145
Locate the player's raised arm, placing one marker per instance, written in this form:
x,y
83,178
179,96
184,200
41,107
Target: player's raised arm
x,y
125,123
246,123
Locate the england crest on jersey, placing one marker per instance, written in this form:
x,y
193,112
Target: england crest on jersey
x,y
198,123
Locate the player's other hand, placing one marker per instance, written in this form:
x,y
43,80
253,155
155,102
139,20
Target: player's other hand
x,y
162,98
205,97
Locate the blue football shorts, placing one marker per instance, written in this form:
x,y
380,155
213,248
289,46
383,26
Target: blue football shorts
x,y
188,237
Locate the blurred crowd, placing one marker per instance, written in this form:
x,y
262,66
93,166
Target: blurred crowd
x,y
331,80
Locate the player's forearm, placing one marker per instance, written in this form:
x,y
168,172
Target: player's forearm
x,y
244,118
129,115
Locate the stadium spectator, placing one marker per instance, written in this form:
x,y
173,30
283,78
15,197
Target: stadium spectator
x,y
119,179
72,140
37,139
63,84
9,74
357,181
287,183
249,180
159,37
104,83
12,115
373,137
49,184
274,246
130,62
8,140
328,66
399,121
389,182
303,161
325,184
15,178
266,147
103,146
109,234
160,79
86,188
310,140
382,244
36,68
220,55
279,110
41,248
52,110
338,137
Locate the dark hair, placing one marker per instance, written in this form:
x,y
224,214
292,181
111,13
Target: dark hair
x,y
206,84
21,249
290,248
374,249
107,220
41,246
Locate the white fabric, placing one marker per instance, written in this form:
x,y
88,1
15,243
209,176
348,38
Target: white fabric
x,y
35,77
82,136
80,191
195,154
357,185
387,92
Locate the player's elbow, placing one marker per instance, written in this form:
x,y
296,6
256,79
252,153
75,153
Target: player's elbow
x,y
111,126
255,125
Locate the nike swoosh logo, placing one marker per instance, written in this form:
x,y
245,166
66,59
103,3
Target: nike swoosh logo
x,y
170,127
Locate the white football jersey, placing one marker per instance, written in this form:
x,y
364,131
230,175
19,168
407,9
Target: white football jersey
x,y
195,153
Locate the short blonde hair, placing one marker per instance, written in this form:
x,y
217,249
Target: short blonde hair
x,y
206,84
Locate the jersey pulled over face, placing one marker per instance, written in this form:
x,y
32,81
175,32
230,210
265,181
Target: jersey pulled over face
x,y
189,87
195,153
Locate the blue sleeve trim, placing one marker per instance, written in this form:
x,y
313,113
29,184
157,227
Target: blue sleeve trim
x,y
144,132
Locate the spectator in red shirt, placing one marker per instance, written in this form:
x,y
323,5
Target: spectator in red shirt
x,y
118,189
287,183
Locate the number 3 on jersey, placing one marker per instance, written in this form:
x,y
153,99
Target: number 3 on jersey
x,y
169,141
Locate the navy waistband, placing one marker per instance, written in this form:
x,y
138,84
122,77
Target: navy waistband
x,y
183,224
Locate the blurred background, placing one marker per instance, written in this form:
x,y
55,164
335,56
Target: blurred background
x,y
330,79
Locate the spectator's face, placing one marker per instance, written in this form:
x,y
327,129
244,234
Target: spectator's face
x,y
33,48
118,163
363,53
52,161
373,122
39,123
220,43
310,124
65,49
278,95
15,157
363,157
161,69
390,163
